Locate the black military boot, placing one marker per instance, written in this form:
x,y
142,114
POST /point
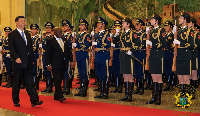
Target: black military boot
x,y
111,77
117,86
66,87
47,85
159,92
85,87
101,90
0,79
148,80
34,81
98,86
168,84
198,80
8,81
141,87
10,78
131,86
164,77
121,82
126,86
81,88
50,89
138,86
71,80
106,89
154,93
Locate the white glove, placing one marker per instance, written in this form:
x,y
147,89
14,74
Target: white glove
x,y
40,45
147,30
74,44
94,43
176,42
112,44
129,53
8,55
148,43
40,36
111,34
117,32
92,33
174,29
73,34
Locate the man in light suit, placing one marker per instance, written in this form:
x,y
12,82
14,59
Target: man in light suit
x,y
57,51
20,45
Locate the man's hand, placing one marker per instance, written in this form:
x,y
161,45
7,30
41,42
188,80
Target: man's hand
x,y
72,64
49,68
18,61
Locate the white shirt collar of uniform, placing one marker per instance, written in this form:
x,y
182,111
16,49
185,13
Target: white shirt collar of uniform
x,y
139,31
184,27
101,31
156,27
82,32
127,30
57,38
66,33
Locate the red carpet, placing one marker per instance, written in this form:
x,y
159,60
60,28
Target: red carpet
x,y
72,107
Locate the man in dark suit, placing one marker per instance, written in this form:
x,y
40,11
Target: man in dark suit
x,y
57,51
20,45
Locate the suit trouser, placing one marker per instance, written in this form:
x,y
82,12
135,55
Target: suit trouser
x,y
27,75
47,74
58,74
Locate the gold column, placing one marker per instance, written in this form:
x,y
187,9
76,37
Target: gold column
x,y
9,9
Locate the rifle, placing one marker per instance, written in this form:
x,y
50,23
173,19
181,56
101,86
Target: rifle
x,y
111,52
74,50
147,51
175,52
93,54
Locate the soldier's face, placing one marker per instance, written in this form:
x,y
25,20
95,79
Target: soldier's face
x,y
118,27
153,21
190,25
113,31
82,27
65,28
167,28
21,23
181,20
6,33
138,27
99,25
34,31
124,24
48,29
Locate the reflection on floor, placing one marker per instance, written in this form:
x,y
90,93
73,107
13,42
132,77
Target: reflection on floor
x,y
4,112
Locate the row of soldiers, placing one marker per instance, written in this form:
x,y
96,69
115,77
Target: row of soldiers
x,y
121,54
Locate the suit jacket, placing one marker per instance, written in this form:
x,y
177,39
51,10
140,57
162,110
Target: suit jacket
x,y
19,49
54,55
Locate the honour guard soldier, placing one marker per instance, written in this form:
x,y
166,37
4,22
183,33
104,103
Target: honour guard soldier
x,y
49,80
156,41
102,43
168,55
83,42
115,30
35,43
68,78
140,54
194,52
128,44
7,58
185,43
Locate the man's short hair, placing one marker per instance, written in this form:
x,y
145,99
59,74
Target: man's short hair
x,y
18,17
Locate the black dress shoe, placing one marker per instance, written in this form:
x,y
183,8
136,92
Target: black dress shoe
x,y
17,104
37,103
60,99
